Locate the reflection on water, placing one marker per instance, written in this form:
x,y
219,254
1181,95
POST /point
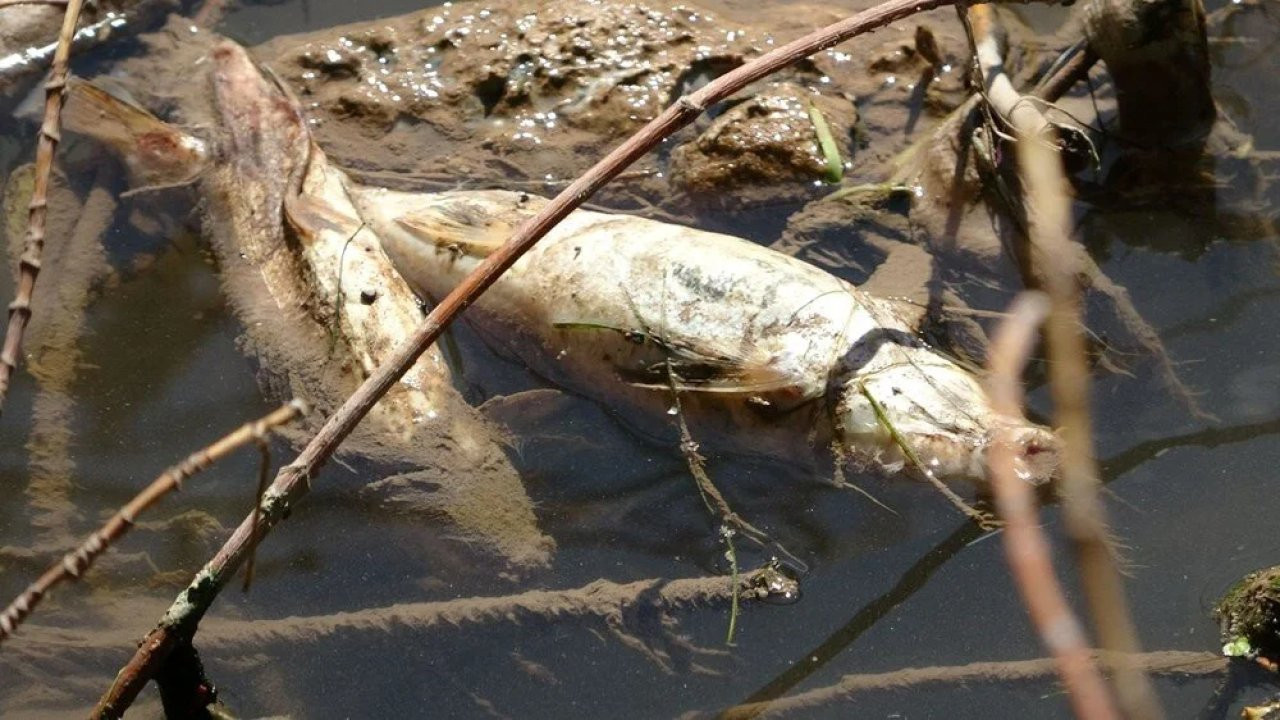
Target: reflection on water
x,y
159,374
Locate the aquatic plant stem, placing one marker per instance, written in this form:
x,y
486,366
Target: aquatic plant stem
x,y
29,264
74,564
1025,545
1048,210
293,481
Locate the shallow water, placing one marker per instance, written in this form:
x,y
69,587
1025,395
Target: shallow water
x,y
163,376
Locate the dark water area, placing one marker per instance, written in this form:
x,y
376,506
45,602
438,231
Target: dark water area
x,y
375,592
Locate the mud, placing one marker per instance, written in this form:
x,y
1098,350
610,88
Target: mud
x,y
493,93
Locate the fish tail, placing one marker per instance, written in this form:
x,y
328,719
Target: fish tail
x,y
156,153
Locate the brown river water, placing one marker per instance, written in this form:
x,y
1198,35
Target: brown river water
x,y
364,607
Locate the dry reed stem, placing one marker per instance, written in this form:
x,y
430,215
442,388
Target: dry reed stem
x,y
1025,545
1049,220
10,3
76,563
29,264
293,481
1163,662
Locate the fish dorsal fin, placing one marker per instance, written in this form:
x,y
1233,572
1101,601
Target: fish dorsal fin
x,y
311,214
472,228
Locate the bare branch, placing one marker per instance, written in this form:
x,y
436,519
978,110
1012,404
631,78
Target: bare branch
x,y
76,563
29,264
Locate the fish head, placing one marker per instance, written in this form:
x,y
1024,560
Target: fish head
x,y
263,132
919,411
260,132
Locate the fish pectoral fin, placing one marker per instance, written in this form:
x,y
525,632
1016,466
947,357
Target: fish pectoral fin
x,y
459,226
157,153
310,215
691,372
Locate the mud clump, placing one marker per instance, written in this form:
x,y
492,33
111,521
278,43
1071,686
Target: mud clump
x,y
768,139
508,90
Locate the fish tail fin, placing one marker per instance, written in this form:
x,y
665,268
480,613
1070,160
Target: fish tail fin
x,y
157,153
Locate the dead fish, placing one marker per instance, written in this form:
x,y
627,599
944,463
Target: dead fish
x,y
611,304
320,301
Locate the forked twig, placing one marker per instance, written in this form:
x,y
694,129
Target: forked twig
x,y
1025,546
29,264
180,623
76,563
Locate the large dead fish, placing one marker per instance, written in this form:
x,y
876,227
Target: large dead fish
x,y
615,305
320,302
634,311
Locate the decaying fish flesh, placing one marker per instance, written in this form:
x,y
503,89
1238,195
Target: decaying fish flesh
x,y
632,310
319,300
613,305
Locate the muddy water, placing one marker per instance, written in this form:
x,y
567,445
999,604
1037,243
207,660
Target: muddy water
x,y
384,622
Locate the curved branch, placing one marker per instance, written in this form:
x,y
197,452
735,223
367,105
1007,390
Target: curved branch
x,y
29,264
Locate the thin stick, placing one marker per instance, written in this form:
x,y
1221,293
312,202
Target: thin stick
x,y
264,477
76,563
1049,217
293,480
10,3
29,264
1025,546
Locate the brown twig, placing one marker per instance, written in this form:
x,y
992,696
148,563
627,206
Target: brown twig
x,y
76,563
264,477
1025,546
293,481
1049,219
29,264
10,3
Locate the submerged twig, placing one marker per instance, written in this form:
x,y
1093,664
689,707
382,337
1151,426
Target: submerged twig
x,y
264,478
1026,548
1161,662
29,264
180,623
1049,220
77,562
